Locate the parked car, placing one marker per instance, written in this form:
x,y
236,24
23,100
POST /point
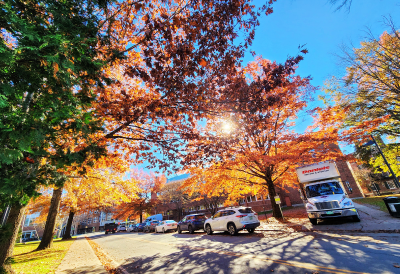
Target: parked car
x,y
192,223
131,227
110,228
232,219
151,226
140,227
165,226
121,228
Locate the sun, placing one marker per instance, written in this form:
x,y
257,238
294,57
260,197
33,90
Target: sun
x,y
227,127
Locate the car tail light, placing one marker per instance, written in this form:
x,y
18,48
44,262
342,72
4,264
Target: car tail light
x,y
241,216
168,225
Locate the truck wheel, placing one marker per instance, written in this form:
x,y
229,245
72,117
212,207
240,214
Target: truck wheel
x,y
314,221
191,230
232,229
106,232
208,230
356,218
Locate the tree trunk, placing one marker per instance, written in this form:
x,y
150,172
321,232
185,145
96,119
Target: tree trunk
x,y
141,218
7,246
67,234
47,239
276,210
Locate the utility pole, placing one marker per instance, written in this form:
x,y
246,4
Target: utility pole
x,y
396,181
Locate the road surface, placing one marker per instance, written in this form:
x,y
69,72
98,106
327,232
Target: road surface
x,y
261,252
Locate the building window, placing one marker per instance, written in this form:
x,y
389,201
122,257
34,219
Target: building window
x,y
259,197
95,220
390,185
220,205
202,207
253,198
248,199
348,186
27,221
109,216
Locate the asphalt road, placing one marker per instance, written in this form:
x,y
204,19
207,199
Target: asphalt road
x,y
278,252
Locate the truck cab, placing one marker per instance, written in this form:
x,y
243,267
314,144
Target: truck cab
x,y
324,193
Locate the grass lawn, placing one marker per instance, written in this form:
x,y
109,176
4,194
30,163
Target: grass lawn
x,y
376,201
27,260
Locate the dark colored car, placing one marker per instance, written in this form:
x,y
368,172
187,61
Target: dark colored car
x,y
151,226
140,227
112,227
192,223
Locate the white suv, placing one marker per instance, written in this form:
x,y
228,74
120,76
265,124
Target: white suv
x,y
232,219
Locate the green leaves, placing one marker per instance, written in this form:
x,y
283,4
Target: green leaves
x,y
45,79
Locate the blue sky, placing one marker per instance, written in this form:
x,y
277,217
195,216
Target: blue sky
x,y
323,30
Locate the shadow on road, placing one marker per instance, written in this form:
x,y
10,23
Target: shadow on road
x,y
286,253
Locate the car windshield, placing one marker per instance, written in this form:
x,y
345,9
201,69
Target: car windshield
x,y
323,189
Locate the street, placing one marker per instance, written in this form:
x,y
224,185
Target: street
x,y
261,252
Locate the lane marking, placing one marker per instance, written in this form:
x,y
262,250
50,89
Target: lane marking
x,y
237,254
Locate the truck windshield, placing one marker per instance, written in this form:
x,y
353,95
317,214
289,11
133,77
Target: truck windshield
x,y
323,189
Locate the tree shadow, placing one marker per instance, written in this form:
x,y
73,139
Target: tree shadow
x,y
244,253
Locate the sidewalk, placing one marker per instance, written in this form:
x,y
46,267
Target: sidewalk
x,y
372,220
80,258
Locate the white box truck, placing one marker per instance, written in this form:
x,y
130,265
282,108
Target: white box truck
x,y
324,194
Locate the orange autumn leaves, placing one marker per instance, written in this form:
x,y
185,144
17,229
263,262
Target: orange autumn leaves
x,y
104,184
265,147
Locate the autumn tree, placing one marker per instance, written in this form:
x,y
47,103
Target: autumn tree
x,y
48,48
101,186
368,94
213,186
178,55
259,140
141,201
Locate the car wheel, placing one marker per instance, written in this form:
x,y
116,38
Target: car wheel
x,y
314,221
208,230
179,230
232,229
251,230
191,230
